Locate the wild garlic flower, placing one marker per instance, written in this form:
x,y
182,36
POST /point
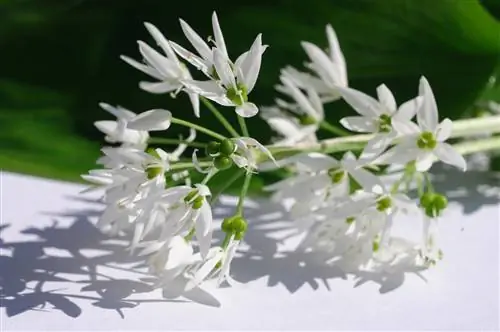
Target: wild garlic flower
x,y
427,141
329,68
167,69
234,81
132,129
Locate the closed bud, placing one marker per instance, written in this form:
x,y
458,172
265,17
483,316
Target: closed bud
x,y
227,224
212,148
427,199
440,202
222,162
239,225
227,147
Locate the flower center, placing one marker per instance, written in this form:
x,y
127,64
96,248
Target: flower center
x,y
426,141
336,175
194,199
384,123
239,95
384,203
307,119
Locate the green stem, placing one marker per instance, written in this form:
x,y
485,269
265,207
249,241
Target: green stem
x,y
226,185
333,129
226,240
171,141
190,235
243,126
428,182
220,117
189,165
243,193
461,128
199,128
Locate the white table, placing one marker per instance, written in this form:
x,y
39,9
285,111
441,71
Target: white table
x,y
58,272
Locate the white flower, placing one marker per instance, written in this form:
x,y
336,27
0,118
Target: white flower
x,y
292,132
330,67
322,177
377,116
425,142
204,61
130,128
236,80
168,70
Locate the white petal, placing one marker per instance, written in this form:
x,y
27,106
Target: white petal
x,y
250,66
376,146
118,111
195,102
247,110
386,98
197,42
447,154
322,64
427,115
367,180
223,68
151,120
208,89
360,124
407,110
152,247
443,131
158,61
314,161
203,229
215,256
142,67
162,42
401,153
336,54
424,161
404,127
299,97
179,253
361,102
159,87
219,38
190,57
196,163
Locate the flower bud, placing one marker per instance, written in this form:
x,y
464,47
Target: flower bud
x,y
222,162
227,224
212,148
427,199
440,202
307,120
239,225
227,147
197,203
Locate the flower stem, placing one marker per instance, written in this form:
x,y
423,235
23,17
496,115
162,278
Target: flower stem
x,y
190,235
183,165
226,240
171,141
243,193
243,126
220,117
199,128
333,129
226,185
461,128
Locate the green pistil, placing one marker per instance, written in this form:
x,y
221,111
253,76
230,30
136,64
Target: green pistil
x,y
237,96
384,204
306,120
384,123
197,202
426,141
350,220
153,172
336,175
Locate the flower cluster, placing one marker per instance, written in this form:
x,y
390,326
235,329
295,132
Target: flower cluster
x,y
347,207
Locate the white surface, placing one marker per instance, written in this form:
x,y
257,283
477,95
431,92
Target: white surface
x,y
59,273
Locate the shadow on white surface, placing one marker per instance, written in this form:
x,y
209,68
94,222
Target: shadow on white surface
x,y
59,255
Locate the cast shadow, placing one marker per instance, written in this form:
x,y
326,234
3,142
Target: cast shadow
x,y
57,259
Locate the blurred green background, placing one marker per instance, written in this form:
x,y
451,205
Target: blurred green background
x,y
58,59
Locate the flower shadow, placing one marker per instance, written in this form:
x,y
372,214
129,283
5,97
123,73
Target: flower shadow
x,y
44,274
